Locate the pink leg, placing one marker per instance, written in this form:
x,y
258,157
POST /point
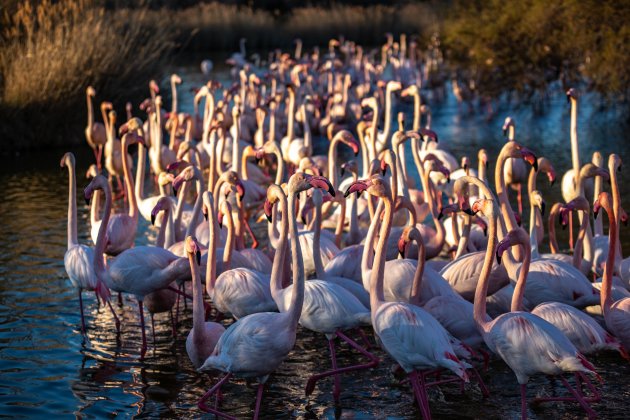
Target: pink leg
x,y
364,338
180,292
259,394
333,357
120,299
153,330
202,401
587,408
519,199
424,399
116,320
482,385
173,325
82,316
486,359
579,378
143,349
177,309
523,402
310,384
248,228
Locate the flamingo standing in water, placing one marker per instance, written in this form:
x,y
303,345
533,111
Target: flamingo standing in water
x,y
526,342
78,257
407,332
138,271
616,314
254,346
328,307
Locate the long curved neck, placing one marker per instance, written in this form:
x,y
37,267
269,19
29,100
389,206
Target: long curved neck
x,y
297,262
506,209
614,183
174,93
236,150
374,133
365,160
414,297
465,237
291,116
575,154
577,252
73,239
481,173
388,117
90,107
139,186
213,240
368,247
229,241
519,289
606,292
551,227
99,248
317,233
333,173
133,204
416,111
537,220
481,292
598,225
179,210
199,320
308,137
534,214
402,175
277,273
196,215
436,247
377,276
95,208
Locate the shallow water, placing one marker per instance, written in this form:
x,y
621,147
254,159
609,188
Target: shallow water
x,y
48,367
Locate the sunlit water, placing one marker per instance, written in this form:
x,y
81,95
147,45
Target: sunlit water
x,y
47,366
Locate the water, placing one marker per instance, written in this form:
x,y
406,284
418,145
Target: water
x,y
48,367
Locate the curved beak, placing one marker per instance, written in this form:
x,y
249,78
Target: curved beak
x,y
321,182
268,210
358,187
401,247
240,190
529,157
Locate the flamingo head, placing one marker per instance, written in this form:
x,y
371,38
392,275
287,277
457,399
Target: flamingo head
x,y
483,157
603,201
514,237
193,248
375,185
614,161
348,139
383,166
67,160
179,164
538,201
529,157
482,224
99,182
572,94
189,173
465,163
509,122
301,181
163,203
623,216
90,91
432,135
153,86
134,125
350,166
176,79
564,216
91,172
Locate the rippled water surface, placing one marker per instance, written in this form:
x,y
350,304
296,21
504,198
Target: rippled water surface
x,y
48,367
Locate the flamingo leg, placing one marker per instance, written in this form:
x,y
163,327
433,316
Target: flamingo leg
x,y
248,229
82,316
333,357
116,320
424,398
177,309
143,349
259,394
580,399
486,359
523,402
519,199
120,299
364,338
153,330
180,292
202,401
173,325
310,385
482,385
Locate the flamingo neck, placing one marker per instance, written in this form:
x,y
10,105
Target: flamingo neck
x,y
196,215
506,209
272,125
133,204
297,263
614,183
481,173
481,291
414,297
179,210
374,133
277,274
519,289
598,225
73,239
575,154
388,117
368,248
365,164
199,320
308,137
99,248
416,111
606,298
551,227
229,241
534,213
139,186
317,233
377,276
438,244
236,150
95,208
577,251
213,242
354,233
281,167
90,121
291,116
174,103
333,173
402,178
465,236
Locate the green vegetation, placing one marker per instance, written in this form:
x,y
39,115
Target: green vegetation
x,y
524,45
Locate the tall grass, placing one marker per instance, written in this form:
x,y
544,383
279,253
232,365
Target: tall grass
x,y
51,51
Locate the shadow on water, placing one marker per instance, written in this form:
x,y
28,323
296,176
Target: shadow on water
x,y
46,366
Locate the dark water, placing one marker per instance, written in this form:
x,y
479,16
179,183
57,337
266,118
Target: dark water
x,y
47,366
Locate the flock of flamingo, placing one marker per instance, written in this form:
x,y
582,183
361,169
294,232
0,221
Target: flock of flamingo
x,y
445,274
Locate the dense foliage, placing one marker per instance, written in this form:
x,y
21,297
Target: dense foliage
x,y
524,45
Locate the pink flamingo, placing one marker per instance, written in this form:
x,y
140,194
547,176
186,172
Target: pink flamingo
x,y
254,346
527,343
138,271
328,307
407,332
616,314
78,258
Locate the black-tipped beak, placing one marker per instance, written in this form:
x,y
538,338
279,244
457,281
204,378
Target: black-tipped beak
x,y
498,258
174,192
448,179
440,215
542,209
504,131
595,213
384,171
553,181
269,217
469,211
87,201
153,219
205,216
303,219
343,171
198,256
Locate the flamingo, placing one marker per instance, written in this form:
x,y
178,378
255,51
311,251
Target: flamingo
x,y
526,342
328,307
138,271
204,336
254,346
407,332
95,133
515,170
616,313
78,258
